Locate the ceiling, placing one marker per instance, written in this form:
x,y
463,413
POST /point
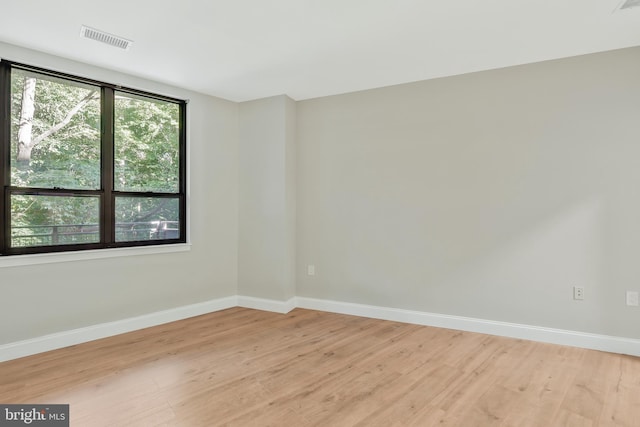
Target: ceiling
x,y
248,49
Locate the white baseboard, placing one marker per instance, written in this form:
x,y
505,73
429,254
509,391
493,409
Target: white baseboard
x,y
77,336
267,304
608,343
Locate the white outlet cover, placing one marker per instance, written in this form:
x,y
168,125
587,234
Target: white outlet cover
x,y
311,270
632,298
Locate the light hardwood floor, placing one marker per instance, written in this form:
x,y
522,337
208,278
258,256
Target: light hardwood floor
x,y
242,367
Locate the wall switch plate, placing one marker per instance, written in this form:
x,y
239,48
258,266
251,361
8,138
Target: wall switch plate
x,y
578,293
632,298
311,270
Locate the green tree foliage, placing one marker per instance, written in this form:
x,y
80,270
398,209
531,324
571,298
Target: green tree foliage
x,y
146,158
68,158
146,145
65,130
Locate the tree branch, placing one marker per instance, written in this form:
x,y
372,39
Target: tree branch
x,y
55,128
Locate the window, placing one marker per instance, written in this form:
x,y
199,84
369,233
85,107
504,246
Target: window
x,y
87,165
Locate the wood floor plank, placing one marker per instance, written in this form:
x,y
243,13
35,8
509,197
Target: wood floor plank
x,y
242,367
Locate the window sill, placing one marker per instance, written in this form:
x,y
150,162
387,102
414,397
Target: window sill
x,y
22,260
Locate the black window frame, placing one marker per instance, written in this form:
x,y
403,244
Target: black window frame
x,y
107,195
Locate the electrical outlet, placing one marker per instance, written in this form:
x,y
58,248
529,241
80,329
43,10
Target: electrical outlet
x,y
632,298
578,293
311,270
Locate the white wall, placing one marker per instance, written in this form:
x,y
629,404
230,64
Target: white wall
x,y
486,195
266,249
40,299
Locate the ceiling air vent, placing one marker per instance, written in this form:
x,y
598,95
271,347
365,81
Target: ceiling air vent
x,y
101,36
628,4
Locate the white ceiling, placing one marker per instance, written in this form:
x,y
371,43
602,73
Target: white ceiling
x,y
249,49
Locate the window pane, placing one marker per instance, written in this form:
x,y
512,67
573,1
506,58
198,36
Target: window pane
x,y
55,132
54,220
146,144
147,218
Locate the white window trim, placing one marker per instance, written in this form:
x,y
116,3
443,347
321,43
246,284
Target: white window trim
x,y
55,257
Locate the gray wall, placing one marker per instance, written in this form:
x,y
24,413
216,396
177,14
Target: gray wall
x,y
486,195
40,299
266,248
